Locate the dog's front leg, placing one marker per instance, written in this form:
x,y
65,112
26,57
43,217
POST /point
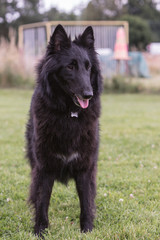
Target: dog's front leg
x,y
86,188
41,188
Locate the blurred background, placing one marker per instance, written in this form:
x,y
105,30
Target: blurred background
x,y
127,41
127,34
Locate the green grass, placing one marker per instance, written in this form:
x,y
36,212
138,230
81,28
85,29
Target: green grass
x,y
129,163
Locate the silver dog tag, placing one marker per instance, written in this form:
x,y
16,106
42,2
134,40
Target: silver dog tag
x,y
74,114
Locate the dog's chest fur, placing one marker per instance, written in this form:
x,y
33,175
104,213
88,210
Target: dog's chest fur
x,y
68,158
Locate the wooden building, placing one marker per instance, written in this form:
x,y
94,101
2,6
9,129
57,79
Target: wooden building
x,y
33,38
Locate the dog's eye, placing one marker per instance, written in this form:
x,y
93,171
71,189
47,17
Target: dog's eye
x,y
87,65
70,67
89,68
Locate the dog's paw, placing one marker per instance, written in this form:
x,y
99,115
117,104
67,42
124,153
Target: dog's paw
x,y
39,231
86,227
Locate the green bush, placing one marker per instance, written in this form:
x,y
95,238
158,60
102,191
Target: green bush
x,y
139,31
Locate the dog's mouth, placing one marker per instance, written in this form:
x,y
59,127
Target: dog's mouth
x,y
81,102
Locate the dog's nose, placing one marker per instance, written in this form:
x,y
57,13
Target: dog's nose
x,y
87,95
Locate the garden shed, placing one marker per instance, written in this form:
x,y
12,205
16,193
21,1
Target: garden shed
x,y
33,38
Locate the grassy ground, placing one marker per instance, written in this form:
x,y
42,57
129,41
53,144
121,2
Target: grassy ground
x,y
128,182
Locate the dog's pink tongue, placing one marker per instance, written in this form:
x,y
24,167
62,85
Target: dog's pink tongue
x,y
84,103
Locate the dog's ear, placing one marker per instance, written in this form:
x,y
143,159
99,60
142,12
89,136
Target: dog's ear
x,y
59,39
87,38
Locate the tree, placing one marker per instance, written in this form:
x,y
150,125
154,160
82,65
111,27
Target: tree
x,y
92,12
8,11
29,13
102,10
146,9
142,8
115,9
13,15
139,31
53,15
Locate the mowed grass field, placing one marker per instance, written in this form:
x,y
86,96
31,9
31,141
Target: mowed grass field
x,y
128,180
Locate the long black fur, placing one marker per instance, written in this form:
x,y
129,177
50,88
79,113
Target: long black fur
x,y
53,136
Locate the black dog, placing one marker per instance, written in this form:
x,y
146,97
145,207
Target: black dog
x,y
63,129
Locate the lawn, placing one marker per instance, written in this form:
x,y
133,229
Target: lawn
x,y
128,181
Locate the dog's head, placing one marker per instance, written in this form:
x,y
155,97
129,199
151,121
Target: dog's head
x,y
72,64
